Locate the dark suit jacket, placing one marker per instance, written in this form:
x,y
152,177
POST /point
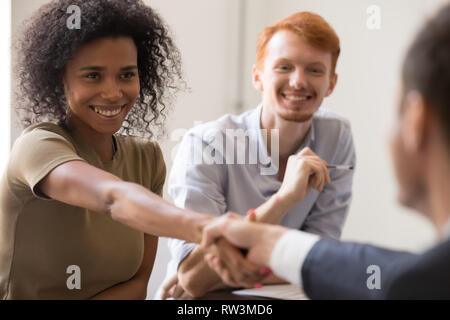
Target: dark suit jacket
x,y
338,270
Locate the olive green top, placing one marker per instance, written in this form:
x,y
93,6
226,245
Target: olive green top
x,y
46,246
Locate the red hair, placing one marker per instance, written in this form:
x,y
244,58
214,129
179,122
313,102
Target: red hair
x,y
310,26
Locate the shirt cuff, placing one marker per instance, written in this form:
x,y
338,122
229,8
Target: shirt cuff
x,y
179,250
289,253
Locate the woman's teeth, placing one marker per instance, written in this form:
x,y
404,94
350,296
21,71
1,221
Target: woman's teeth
x,y
296,98
108,113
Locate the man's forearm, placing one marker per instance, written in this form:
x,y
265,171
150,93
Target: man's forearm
x,y
195,275
273,210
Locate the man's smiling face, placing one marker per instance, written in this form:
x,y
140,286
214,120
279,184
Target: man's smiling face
x,y
295,77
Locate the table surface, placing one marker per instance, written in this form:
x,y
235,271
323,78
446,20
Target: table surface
x,y
227,294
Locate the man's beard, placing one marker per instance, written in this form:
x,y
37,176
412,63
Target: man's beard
x,y
296,117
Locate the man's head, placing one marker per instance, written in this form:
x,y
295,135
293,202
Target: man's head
x,y
295,65
422,132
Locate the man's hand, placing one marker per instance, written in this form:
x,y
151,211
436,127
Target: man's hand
x,y
172,289
303,172
232,267
258,238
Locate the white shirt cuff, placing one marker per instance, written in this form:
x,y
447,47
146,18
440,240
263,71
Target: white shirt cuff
x,y
289,253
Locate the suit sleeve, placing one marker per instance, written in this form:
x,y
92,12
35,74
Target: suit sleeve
x,y
425,277
347,270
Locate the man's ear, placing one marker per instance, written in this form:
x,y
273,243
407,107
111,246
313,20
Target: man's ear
x,y
415,119
333,82
256,78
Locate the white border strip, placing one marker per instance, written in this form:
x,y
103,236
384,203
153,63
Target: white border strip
x,y
5,81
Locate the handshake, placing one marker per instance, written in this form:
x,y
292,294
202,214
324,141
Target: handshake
x,y
239,268
236,250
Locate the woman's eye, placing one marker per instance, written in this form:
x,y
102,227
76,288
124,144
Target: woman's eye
x,y
129,75
92,75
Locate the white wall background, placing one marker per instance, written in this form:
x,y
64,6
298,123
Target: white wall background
x,y
208,32
5,83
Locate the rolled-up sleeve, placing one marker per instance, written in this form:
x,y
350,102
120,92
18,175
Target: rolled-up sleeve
x,y
330,210
196,185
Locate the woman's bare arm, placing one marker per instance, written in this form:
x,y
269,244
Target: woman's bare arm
x,y
80,184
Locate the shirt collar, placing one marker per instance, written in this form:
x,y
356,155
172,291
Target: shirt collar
x,y
253,121
309,138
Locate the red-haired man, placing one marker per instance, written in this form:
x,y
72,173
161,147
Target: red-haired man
x,y
420,153
294,72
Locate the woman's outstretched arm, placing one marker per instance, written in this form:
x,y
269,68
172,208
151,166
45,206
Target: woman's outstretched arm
x,y
80,184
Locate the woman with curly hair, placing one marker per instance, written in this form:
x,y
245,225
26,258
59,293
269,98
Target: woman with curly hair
x,y
80,198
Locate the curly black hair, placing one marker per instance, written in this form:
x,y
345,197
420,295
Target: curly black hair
x,y
47,44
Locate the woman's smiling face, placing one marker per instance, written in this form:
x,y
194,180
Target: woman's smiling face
x,y
101,84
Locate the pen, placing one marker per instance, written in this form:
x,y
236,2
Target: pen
x,y
341,167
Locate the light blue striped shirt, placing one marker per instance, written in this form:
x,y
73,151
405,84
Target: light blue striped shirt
x,y
220,187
